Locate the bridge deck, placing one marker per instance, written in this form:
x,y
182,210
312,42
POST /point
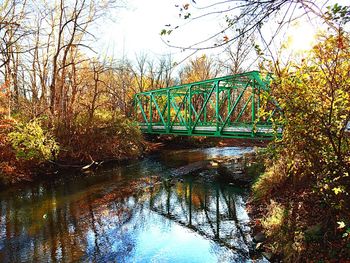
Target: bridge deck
x,y
227,132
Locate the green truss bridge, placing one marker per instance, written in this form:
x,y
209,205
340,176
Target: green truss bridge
x,y
235,106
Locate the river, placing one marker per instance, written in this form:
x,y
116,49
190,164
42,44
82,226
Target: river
x,y
129,214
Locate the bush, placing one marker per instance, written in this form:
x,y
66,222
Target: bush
x,y
311,174
315,97
31,142
107,136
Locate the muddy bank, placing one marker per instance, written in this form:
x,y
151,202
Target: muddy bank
x,y
26,173
155,143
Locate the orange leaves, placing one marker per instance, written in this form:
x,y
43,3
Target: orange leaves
x,y
340,42
6,125
5,95
182,10
5,89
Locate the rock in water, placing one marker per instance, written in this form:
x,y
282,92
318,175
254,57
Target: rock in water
x,y
259,237
190,168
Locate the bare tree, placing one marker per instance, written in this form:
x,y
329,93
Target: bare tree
x,y
140,71
237,55
255,15
160,74
120,83
12,14
200,68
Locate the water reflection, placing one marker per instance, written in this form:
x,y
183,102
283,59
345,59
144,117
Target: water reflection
x,y
183,157
124,215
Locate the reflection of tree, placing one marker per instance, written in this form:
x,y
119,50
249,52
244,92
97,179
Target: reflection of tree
x,y
70,223
207,210
92,222
233,214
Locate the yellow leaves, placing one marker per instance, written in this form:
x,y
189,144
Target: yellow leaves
x,y
341,224
337,190
274,219
198,69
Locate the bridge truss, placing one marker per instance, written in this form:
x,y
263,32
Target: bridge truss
x,y
228,107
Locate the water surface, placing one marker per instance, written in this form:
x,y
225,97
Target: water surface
x,y
126,214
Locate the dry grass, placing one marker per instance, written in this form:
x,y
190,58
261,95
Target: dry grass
x,y
274,219
270,181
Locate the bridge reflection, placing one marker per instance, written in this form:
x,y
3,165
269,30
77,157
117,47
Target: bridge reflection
x,y
212,210
99,220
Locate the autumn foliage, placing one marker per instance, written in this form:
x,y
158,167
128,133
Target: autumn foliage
x,y
308,174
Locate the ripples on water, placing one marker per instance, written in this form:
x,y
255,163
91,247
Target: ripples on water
x,y
126,215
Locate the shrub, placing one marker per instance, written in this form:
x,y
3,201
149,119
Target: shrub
x,y
312,167
106,136
31,142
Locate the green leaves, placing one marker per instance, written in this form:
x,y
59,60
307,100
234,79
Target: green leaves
x,y
31,143
187,15
338,13
166,32
258,50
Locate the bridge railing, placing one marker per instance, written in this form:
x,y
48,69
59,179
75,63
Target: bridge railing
x,y
228,106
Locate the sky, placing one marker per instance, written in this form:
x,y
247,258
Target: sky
x,y
136,29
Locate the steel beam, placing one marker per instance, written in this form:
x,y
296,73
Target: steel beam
x,y
227,107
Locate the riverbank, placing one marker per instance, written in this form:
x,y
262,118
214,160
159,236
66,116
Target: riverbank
x,y
227,168
36,149
186,142
14,170
293,222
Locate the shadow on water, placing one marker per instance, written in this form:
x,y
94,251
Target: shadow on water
x,y
127,214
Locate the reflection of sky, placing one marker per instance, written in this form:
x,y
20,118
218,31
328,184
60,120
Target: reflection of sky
x,y
173,243
227,151
152,239
179,156
85,219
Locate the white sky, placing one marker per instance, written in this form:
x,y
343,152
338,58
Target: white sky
x,y
136,29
